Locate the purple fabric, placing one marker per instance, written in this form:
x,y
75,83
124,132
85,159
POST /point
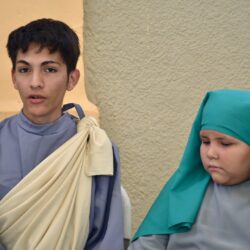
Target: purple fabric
x,y
23,145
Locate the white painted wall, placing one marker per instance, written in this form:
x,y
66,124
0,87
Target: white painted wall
x,y
148,64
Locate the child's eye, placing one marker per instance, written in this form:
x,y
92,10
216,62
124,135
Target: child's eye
x,y
226,144
206,142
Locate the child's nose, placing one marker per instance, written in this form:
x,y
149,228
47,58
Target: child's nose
x,y
212,152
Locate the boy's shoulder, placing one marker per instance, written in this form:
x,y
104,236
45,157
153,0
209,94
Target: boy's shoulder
x,y
7,120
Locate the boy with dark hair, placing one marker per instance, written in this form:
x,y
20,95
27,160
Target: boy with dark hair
x,y
59,175
47,33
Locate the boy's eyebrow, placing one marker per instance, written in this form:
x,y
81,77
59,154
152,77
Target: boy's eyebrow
x,y
43,63
22,61
48,62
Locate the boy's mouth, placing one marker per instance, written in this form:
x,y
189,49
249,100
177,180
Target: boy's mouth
x,y
36,99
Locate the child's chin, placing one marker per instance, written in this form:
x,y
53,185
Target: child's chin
x,y
220,181
227,182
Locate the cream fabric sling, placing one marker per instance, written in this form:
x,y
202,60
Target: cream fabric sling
x,y
49,208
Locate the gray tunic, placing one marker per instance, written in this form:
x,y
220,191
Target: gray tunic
x,y
23,145
222,223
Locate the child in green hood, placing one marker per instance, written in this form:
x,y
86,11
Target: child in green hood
x,y
205,204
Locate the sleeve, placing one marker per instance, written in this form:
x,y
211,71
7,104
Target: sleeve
x,y
150,242
2,247
106,216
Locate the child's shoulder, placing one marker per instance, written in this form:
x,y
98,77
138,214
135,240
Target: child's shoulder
x,y
228,193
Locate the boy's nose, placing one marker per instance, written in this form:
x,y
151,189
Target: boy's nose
x,y
36,80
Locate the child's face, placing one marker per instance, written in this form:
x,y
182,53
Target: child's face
x,y
224,157
41,78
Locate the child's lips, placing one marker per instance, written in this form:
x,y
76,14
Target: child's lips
x,y
213,168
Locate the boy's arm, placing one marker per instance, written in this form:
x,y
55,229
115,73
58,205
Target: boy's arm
x,y
2,247
106,219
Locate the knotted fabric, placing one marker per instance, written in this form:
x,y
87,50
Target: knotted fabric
x,y
49,208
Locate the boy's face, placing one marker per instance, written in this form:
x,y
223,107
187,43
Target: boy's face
x,y
224,157
41,78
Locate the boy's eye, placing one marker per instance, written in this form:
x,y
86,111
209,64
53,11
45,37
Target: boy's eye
x,y
23,70
50,70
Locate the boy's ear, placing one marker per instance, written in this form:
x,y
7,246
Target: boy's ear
x,y
13,76
73,79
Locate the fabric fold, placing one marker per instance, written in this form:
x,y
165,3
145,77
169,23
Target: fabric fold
x,y
176,207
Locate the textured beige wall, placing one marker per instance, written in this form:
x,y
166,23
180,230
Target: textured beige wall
x,y
148,64
15,13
